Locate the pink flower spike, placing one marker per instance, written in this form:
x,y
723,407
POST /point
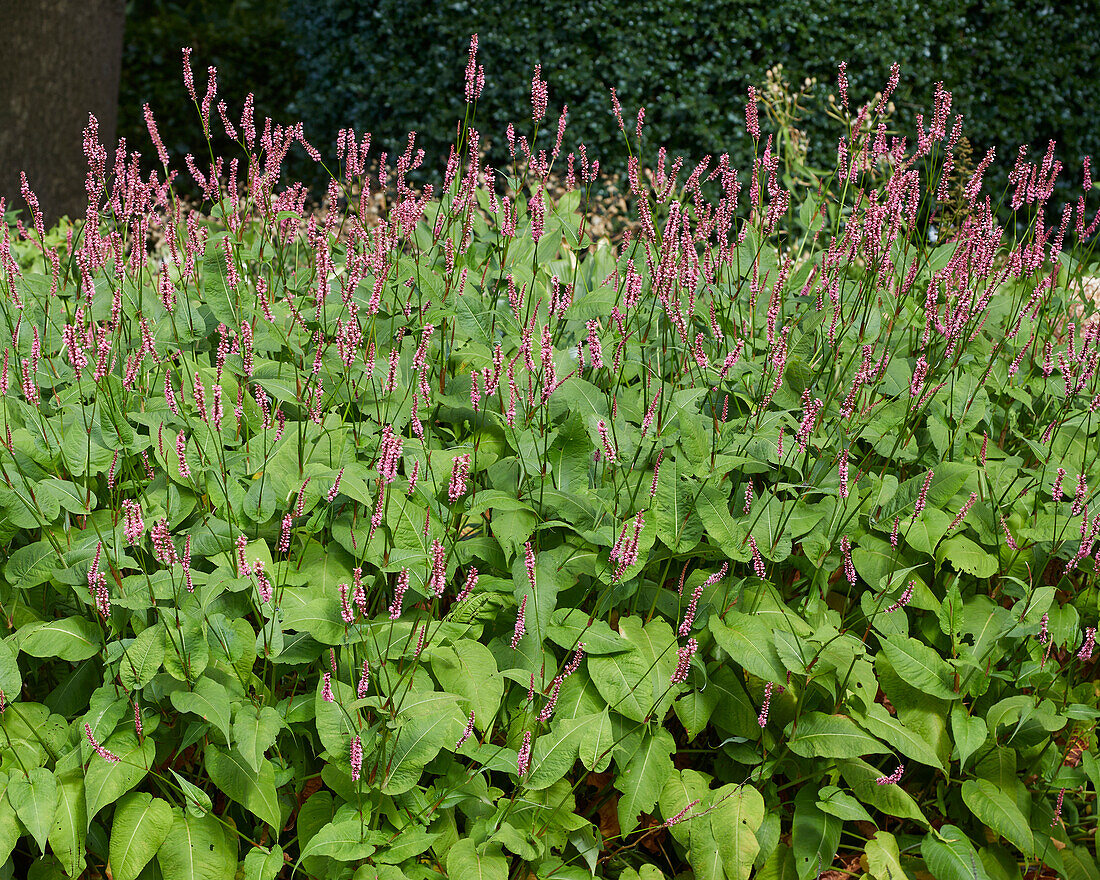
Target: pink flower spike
x,y
356,757
331,496
523,760
100,750
326,688
894,778
683,814
466,733
364,681
521,624
683,661
1090,642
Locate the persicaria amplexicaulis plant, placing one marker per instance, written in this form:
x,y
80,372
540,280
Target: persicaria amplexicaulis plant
x,y
453,542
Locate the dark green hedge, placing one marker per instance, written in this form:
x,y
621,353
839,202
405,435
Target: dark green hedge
x,y
1021,70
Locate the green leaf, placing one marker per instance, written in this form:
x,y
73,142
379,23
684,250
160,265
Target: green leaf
x,y
950,855
676,527
997,809
464,862
738,813
883,857
252,789
749,643
187,651
71,639
470,670
31,565
967,556
105,782
644,778
891,730
832,736
11,682
417,741
142,658
968,731
10,828
198,848
346,841
197,801
141,824
635,683
70,823
596,742
554,752
34,797
261,864
920,666
728,535
839,803
891,799
254,731
210,701
815,836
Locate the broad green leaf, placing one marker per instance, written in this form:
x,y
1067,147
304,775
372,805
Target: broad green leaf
x,y
186,650
141,824
31,565
815,836
836,802
968,731
737,816
749,643
416,742
469,669
891,799
198,848
105,782
950,855
210,701
997,809
35,797
883,857
967,556
694,709
644,777
680,793
891,730
832,736
261,864
70,823
11,682
554,753
345,841
464,862
71,638
254,731
252,789
142,658
197,801
676,527
570,626
636,683
596,742
729,536
920,666
10,828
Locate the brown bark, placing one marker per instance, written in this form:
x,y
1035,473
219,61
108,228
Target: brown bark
x,y
59,61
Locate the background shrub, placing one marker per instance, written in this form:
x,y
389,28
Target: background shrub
x,y
391,67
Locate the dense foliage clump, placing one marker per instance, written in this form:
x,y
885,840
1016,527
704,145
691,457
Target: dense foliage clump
x,y
456,543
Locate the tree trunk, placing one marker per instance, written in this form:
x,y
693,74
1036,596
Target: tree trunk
x,y
59,61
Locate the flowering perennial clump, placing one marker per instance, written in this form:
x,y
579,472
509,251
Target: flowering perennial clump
x,y
309,496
